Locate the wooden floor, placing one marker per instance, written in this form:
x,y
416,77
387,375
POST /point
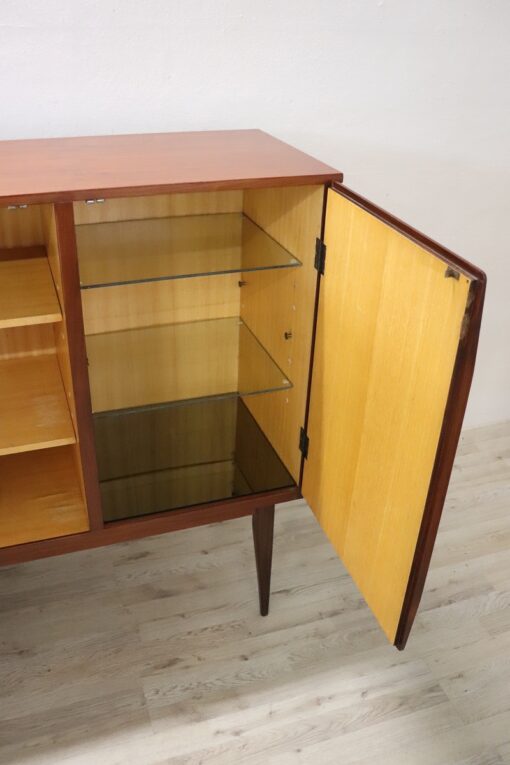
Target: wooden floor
x,y
153,652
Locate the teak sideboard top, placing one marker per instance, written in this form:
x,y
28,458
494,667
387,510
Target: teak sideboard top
x,y
69,169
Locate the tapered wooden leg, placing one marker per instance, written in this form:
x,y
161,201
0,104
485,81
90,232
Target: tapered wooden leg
x,y
263,527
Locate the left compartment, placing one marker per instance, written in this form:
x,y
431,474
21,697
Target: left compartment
x,y
41,484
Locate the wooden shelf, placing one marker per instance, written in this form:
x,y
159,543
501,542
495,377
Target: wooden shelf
x,y
33,406
40,497
27,291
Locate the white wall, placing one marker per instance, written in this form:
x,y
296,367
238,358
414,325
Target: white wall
x,y
409,98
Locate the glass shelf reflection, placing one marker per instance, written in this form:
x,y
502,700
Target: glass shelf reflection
x,y
154,460
156,249
175,362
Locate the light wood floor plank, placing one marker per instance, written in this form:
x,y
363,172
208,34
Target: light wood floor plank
x,y
153,653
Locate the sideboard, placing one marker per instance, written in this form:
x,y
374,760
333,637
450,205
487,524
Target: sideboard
x,y
197,326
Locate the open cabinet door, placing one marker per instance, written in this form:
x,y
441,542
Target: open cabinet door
x,y
398,319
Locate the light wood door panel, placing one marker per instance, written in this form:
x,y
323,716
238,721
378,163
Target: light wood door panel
x,y
389,327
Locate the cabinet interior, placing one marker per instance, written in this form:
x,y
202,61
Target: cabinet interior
x,y
41,487
198,312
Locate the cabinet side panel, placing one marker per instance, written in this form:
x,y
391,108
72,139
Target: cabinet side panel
x,y
388,329
278,307
60,329
22,227
70,344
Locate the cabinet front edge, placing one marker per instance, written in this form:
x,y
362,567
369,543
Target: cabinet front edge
x,y
80,195
146,526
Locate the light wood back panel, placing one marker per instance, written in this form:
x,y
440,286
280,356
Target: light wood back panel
x,y
108,309
158,248
33,407
27,341
174,362
25,228
162,363
276,302
388,329
40,496
22,227
160,206
27,293
141,305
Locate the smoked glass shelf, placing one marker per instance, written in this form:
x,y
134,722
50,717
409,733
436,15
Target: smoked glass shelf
x,y
153,460
175,362
156,249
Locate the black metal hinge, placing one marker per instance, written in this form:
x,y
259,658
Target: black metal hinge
x,y
304,443
320,255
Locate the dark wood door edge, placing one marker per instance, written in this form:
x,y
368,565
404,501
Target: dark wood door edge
x,y
449,257
448,440
146,526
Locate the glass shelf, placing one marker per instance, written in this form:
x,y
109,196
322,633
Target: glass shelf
x,y
152,460
127,252
174,362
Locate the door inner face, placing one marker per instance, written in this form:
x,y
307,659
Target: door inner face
x,y
390,321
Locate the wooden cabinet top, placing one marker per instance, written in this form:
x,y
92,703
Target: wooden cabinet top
x,y
63,169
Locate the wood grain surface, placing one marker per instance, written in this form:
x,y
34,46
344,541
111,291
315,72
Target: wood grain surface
x,y
389,326
158,206
27,293
273,304
33,405
64,169
40,496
